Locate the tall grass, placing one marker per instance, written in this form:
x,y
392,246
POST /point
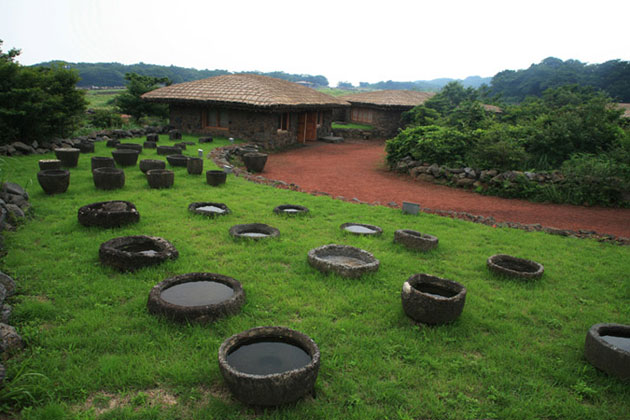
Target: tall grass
x,y
516,352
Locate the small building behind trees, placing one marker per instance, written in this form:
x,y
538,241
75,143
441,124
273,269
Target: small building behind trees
x,y
270,112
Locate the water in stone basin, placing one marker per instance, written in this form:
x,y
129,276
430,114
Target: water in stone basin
x,y
197,293
141,248
116,206
341,259
617,341
254,234
434,290
211,209
290,210
268,356
359,229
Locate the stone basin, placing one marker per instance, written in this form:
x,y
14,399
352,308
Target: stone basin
x,y
269,366
347,261
130,253
607,347
361,229
415,240
515,267
432,300
209,209
196,297
177,160
255,231
108,214
291,210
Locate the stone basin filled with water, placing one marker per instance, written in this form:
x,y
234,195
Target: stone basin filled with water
x,y
269,365
129,253
291,210
361,229
347,261
515,267
209,209
108,214
198,297
432,300
254,231
607,347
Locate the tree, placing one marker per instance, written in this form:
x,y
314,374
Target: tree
x,y
37,103
130,102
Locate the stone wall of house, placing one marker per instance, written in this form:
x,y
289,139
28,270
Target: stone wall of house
x,y
258,127
385,122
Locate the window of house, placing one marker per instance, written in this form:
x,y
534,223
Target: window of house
x,y
361,115
218,118
283,121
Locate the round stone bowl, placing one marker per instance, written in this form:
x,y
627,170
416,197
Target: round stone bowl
x,y
181,145
415,240
361,229
607,347
149,145
291,210
153,137
209,209
148,164
215,177
432,300
177,160
86,147
196,297
68,156
510,266
108,178
130,253
125,157
194,165
255,162
168,150
130,146
284,369
160,178
54,181
47,164
102,162
347,261
255,231
112,143
108,214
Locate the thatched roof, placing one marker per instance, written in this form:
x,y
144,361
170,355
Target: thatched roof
x,y
626,110
492,108
244,91
406,99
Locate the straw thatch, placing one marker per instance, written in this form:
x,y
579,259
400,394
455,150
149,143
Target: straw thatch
x,y
492,108
244,91
389,98
626,110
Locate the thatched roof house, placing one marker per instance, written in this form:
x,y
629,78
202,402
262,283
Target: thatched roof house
x,y
625,108
261,109
382,109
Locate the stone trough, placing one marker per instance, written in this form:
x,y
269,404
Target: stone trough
x,y
209,209
415,240
607,347
291,210
361,229
269,366
432,300
255,231
130,253
510,266
196,297
54,181
347,261
108,214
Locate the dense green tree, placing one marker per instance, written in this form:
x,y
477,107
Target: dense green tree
x,y
130,101
37,103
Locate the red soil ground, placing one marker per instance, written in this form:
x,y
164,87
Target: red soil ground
x,y
358,170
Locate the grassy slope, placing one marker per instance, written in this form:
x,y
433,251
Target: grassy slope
x,y
516,352
99,99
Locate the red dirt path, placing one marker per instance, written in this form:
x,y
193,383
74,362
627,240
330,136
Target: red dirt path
x,y
357,170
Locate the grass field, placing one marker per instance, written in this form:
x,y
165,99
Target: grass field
x,y
100,99
93,350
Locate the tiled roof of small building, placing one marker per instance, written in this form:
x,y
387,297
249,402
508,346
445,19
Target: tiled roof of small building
x,y
389,98
244,90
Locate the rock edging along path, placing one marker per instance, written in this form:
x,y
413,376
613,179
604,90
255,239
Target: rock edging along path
x,y
356,171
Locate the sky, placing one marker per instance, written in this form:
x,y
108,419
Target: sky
x,y
344,40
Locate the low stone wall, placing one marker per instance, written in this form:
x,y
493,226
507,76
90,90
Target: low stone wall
x,y
353,133
19,148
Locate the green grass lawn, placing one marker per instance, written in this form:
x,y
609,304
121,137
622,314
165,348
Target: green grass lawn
x,y
99,99
93,350
351,126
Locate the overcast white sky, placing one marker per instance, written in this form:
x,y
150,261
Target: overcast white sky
x,y
342,40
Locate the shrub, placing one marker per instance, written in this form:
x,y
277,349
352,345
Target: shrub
x,y
431,143
103,118
498,148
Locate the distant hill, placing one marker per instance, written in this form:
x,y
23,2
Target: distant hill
x,y
426,85
101,75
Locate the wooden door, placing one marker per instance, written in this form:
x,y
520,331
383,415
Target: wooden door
x,y
301,128
307,127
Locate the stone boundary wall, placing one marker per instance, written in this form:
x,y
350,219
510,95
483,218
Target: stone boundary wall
x,y
19,148
221,157
353,133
